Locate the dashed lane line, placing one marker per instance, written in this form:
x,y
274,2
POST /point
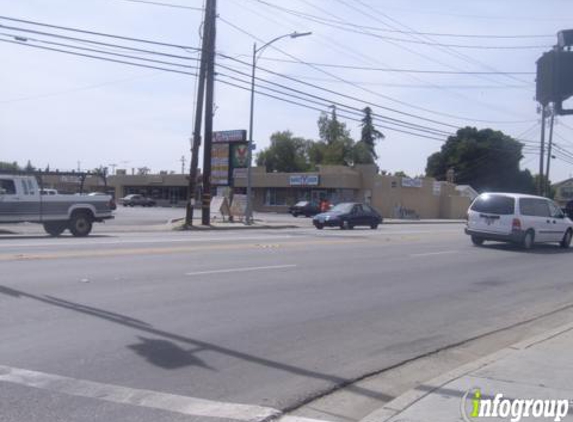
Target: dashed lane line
x,y
244,269
434,253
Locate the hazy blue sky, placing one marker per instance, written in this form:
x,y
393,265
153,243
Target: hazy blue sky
x,y
58,109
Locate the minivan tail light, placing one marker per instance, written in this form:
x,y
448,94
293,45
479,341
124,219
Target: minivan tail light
x,y
516,224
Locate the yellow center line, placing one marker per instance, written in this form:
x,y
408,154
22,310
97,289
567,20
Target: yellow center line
x,y
164,250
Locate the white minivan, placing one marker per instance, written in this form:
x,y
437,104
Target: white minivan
x,y
517,218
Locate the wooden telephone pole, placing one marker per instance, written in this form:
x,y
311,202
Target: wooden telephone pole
x,y
208,45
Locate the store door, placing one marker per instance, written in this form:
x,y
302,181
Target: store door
x,y
173,196
317,195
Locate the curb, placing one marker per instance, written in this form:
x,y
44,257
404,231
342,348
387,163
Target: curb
x,y
238,227
384,223
411,397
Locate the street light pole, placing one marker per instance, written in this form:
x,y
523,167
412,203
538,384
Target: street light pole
x,y
256,54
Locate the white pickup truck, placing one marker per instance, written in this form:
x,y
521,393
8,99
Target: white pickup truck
x,y
21,201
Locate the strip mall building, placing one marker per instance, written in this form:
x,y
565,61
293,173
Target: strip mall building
x,y
274,192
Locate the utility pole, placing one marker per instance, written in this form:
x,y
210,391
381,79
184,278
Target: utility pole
x,y
549,146
182,164
209,91
540,183
198,119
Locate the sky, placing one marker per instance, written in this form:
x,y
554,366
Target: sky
x,y
72,112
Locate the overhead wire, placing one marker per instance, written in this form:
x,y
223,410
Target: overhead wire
x,y
389,98
435,34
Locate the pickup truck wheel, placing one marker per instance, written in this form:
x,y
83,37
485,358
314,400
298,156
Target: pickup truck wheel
x,y
80,224
55,228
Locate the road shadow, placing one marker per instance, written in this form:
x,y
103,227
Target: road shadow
x,y
167,354
537,249
157,351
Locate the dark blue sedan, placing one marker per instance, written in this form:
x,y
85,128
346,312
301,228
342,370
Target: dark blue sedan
x,y
348,215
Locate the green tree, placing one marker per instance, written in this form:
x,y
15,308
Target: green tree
x,y
401,173
486,159
370,134
29,167
6,166
286,153
362,153
335,145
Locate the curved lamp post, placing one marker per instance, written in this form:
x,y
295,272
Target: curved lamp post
x,y
256,54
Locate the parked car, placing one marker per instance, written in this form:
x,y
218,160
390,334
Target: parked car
x,y
348,215
517,218
137,199
306,208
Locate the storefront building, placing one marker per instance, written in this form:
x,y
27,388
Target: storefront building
x,y
394,197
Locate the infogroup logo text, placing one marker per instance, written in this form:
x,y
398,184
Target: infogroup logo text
x,y
476,407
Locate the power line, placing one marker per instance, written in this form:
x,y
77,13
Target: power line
x,y
375,28
343,95
193,74
156,3
100,34
357,29
448,50
361,87
73,90
98,57
398,70
95,50
328,102
451,92
87,41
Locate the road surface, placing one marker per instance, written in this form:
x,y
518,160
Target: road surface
x,y
190,326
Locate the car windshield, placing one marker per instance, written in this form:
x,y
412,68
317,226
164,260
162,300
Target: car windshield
x,y
301,204
494,204
342,208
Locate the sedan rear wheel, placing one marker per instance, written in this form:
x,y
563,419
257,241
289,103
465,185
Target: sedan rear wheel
x,y
478,241
346,225
319,226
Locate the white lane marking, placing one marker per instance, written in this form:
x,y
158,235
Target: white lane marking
x,y
237,270
71,242
433,253
288,418
136,397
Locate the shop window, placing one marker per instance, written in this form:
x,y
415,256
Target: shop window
x,y
275,197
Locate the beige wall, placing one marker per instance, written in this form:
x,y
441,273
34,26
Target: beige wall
x,y
385,193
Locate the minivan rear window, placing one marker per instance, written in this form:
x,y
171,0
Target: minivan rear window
x,y
494,204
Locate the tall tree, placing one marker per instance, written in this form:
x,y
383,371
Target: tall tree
x,y
485,159
286,153
335,145
370,134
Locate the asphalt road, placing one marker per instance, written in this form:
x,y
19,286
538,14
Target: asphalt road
x,y
143,326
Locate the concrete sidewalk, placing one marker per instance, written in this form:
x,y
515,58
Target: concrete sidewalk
x,y
217,224
538,369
